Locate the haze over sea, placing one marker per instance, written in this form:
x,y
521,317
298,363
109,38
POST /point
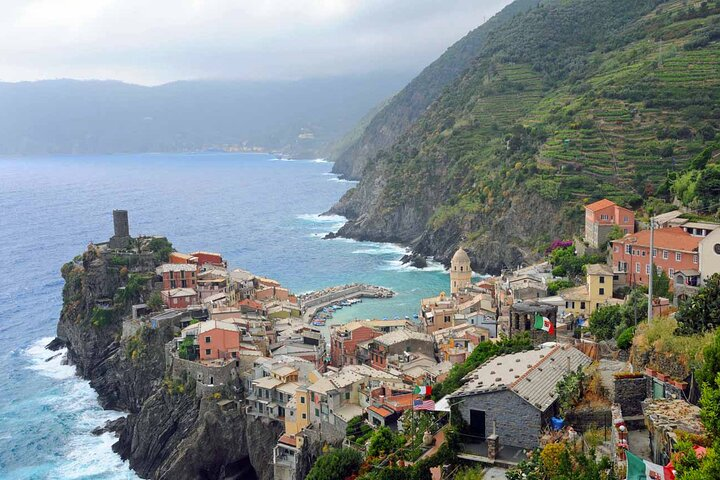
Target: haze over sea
x,y
259,212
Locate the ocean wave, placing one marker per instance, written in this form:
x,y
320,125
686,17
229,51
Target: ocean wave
x,y
48,363
342,180
320,160
320,218
398,266
381,249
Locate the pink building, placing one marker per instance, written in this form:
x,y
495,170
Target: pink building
x,y
180,297
218,339
675,250
601,216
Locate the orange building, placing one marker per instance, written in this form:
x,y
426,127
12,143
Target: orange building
x,y
344,340
178,275
675,250
217,339
601,216
211,258
177,257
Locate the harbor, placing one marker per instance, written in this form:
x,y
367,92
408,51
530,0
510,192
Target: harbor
x,y
317,307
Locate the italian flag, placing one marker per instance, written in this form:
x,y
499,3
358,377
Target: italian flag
x,y
639,469
544,323
423,390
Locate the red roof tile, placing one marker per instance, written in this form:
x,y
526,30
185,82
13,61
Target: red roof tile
x,y
671,238
382,411
600,204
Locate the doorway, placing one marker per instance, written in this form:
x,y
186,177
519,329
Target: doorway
x,y
477,423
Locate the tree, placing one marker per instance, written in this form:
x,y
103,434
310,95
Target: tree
x,y
155,302
701,312
337,464
710,408
710,369
470,473
661,283
604,321
556,285
383,442
161,248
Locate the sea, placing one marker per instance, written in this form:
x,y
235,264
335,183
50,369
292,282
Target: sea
x,y
264,214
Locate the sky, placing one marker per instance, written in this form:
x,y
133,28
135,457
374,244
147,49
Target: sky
x,y
151,42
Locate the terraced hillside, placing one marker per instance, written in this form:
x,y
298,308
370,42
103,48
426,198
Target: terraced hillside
x,y
567,103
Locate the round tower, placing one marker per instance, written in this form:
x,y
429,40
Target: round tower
x,y
460,271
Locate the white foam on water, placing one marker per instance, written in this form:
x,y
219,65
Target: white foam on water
x,y
320,218
85,455
398,266
342,180
381,249
320,160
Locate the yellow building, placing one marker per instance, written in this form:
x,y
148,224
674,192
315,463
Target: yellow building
x,y
460,271
596,292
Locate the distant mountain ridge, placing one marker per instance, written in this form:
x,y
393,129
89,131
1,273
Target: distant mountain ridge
x,y
71,116
564,103
405,107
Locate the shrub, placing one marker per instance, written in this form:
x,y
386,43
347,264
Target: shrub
x,y
337,464
625,339
604,320
556,285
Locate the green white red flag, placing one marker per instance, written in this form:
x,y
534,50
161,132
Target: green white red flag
x,y
544,323
422,390
639,469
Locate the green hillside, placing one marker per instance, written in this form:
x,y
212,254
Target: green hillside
x,y
572,101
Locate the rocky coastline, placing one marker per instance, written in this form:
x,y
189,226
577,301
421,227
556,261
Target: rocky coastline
x,y
167,433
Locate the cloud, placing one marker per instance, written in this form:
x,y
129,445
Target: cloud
x,y
156,41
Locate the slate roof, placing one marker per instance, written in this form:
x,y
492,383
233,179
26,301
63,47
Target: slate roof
x,y
532,375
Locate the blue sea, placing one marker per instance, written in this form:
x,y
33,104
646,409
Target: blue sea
x,y
262,213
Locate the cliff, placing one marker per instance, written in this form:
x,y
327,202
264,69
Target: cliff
x,y
558,105
169,432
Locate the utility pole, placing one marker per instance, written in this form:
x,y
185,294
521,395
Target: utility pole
x,y
652,266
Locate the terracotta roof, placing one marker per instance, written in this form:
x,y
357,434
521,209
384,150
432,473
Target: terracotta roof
x,y
288,440
382,411
671,238
600,204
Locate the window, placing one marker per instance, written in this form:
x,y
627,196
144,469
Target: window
x,y
302,399
647,269
642,253
666,255
603,217
207,340
615,248
582,305
461,268
602,291
695,259
567,304
208,351
637,267
678,256
671,271
602,279
628,249
304,416
654,252
626,219
347,395
317,412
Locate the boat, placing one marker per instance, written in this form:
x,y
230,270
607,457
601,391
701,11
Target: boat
x,y
415,316
318,323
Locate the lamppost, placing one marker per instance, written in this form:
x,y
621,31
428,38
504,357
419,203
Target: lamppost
x,y
652,266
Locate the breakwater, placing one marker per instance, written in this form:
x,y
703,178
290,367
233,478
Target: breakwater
x,y
311,302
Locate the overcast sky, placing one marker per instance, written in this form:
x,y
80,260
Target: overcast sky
x,y
157,41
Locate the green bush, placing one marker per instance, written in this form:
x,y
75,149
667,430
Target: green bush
x,y
337,464
625,339
556,285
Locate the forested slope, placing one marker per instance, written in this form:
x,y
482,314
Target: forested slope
x,y
567,103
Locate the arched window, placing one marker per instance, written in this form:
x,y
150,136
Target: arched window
x,y
461,268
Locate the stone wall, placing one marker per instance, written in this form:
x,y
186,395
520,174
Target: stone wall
x,y
629,394
517,423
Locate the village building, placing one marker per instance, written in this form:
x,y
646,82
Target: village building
x,y
601,217
180,297
182,258
209,258
460,271
437,313
709,253
177,275
396,343
512,397
597,291
523,317
273,383
344,340
454,344
675,250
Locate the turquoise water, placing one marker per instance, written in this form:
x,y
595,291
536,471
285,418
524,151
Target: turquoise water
x,y
261,213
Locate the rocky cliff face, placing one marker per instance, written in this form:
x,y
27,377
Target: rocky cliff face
x,y
166,435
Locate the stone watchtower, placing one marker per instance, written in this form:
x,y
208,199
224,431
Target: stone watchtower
x,y
122,238
460,271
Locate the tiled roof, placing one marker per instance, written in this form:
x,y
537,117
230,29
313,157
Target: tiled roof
x,y
671,238
533,375
600,204
175,267
598,269
398,336
181,292
382,411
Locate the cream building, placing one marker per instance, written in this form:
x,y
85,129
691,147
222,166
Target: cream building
x,y
709,253
460,271
596,292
